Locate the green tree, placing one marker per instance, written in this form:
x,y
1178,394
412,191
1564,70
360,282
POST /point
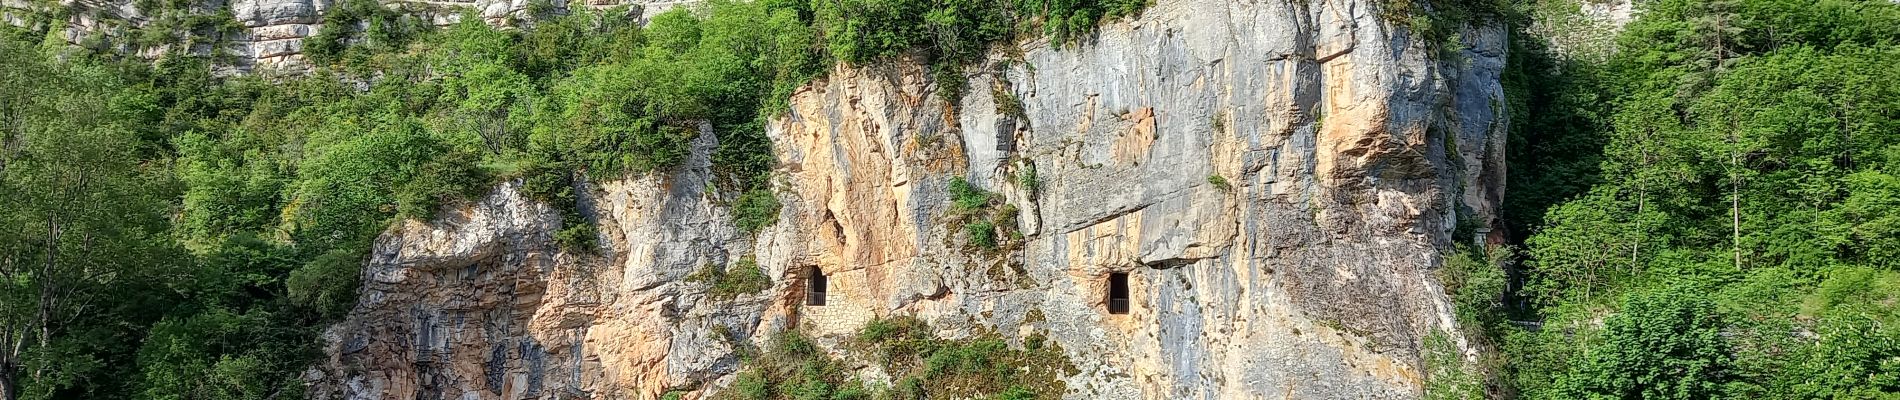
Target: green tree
x,y
82,218
482,92
1663,344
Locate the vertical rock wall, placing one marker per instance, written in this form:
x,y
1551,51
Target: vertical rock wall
x,y
1278,178
480,304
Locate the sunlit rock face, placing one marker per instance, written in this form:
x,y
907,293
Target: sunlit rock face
x,y
270,35
1278,180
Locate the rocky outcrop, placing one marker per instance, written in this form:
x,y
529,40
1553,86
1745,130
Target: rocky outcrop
x,y
481,304
1278,180
271,32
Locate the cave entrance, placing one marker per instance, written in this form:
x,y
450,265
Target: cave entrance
x,y
815,283
1118,293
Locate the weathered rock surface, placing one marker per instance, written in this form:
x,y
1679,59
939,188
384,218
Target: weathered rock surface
x,y
272,31
481,304
1278,178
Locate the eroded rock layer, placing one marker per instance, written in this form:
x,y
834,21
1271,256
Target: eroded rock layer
x,y
1278,180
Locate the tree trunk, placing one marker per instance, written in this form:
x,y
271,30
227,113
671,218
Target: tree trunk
x,y
1642,202
1735,192
9,390
1735,217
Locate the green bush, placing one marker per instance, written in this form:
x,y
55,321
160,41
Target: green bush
x,y
966,197
982,234
1476,283
1016,393
751,385
1069,20
225,192
755,210
979,367
577,235
1447,375
1027,178
881,329
328,283
972,209
743,277
174,363
1664,344
359,28
1007,103
922,366
347,191
1438,22
1220,182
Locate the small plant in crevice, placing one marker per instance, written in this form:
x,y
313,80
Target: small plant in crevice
x,y
1026,178
1006,101
742,277
982,234
987,222
965,197
1220,182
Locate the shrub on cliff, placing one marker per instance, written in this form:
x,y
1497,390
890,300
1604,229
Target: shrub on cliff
x,y
922,365
741,278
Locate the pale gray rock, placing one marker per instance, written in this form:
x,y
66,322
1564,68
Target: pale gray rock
x,y
265,13
1346,151
1279,179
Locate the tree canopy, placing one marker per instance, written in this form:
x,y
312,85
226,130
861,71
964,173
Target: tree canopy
x,y
1710,210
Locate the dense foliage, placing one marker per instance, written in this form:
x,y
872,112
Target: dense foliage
x,y
1710,211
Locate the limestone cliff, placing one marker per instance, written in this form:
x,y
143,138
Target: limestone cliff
x,y
270,33
1278,178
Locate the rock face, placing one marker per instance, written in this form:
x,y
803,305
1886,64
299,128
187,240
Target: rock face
x,y
272,31
480,304
1277,178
